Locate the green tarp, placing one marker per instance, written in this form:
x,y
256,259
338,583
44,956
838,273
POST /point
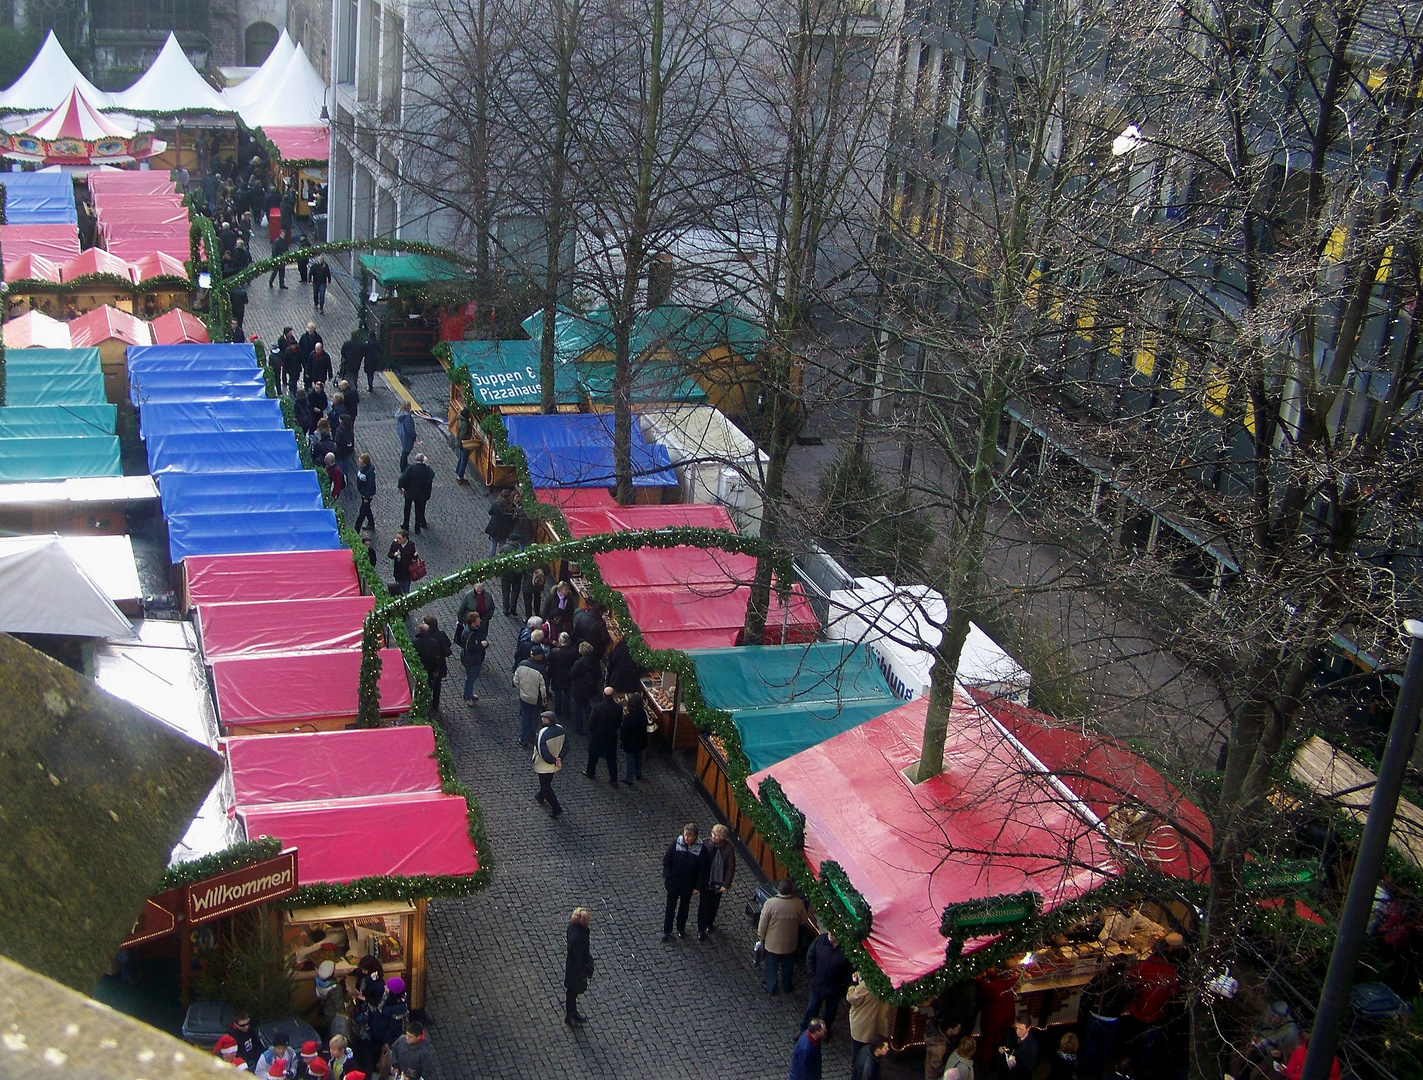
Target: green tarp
x,y
652,384
58,458
392,271
24,421
55,361
788,698
47,388
688,332
507,373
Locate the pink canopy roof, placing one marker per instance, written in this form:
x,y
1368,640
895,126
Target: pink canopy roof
x,y
990,824
158,264
292,575
317,765
573,498
133,248
300,143
302,686
75,118
108,323
178,327
340,841
96,261
129,181
589,521
56,242
271,626
33,267
36,330
706,618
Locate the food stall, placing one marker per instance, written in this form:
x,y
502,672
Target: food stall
x,y
402,297
575,450
34,330
162,285
95,278
111,331
32,285
299,162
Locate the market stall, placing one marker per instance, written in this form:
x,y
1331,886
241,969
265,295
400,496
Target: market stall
x,y
300,159
504,376
58,457
39,198
576,498
178,327
249,532
176,417
111,331
409,291
57,243
223,451
163,284
76,133
54,377
268,626
175,96
19,421
314,691
159,384
296,575
89,506
34,330
95,278
48,81
576,450
32,285
714,460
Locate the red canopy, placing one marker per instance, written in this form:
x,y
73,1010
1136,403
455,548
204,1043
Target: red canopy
x,y
302,686
134,248
178,327
59,243
107,323
300,143
990,824
272,626
574,498
409,836
312,766
708,618
144,207
589,521
33,267
1105,775
704,570
130,182
95,261
290,575
159,264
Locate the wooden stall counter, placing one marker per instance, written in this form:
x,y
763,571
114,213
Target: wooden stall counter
x,y
712,774
392,931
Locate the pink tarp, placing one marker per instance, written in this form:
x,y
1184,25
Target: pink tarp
x,y
704,570
341,841
574,498
590,521
704,618
95,261
134,248
990,824
106,323
302,686
158,265
312,766
293,575
32,267
178,327
58,243
283,625
130,182
146,207
300,143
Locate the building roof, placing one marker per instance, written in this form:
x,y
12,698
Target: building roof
x,y
295,99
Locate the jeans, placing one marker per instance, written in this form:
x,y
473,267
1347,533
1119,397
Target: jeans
x,y
678,903
318,294
819,999
365,515
530,716
405,456
1097,1043
493,549
785,963
471,672
632,762
463,463
280,274
400,588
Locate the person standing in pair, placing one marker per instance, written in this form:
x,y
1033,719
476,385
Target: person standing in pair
x,y
548,760
604,725
578,967
473,645
402,553
433,646
416,483
721,869
683,868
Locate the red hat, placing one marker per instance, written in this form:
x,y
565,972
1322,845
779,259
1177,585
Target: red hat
x,y
310,1048
317,1067
356,1075
225,1045
278,1071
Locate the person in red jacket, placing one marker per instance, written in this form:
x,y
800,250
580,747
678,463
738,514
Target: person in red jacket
x,y
1294,1070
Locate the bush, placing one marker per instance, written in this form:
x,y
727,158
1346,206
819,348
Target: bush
x,y
887,534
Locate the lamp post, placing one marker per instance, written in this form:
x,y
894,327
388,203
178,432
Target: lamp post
x,y
1354,921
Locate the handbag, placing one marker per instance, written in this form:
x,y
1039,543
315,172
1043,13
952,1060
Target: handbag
x,y
417,568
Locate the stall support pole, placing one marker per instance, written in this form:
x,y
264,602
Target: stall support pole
x,y
185,954
1368,866
676,712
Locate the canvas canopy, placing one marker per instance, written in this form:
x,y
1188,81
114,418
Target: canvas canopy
x,y
294,99
575,498
250,532
41,457
49,388
223,451
576,450
685,332
507,373
43,590
95,261
39,198
300,144
28,421
133,248
196,493
991,824
303,686
207,385
70,361
298,575
171,87
592,520
75,132
104,183
714,460
107,323
32,268
363,764
58,243
159,265
177,327
270,626
652,384
673,619
36,330
48,81
254,86
174,417
394,271
184,357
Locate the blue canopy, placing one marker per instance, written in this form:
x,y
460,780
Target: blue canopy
x,y
48,388
150,395
149,386
53,360
188,357
194,504
178,488
20,421
246,414
223,451
59,458
251,532
576,450
39,198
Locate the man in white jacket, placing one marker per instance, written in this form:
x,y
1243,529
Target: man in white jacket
x,y
548,759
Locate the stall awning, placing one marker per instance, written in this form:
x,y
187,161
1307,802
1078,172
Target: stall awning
x,y
252,88
205,385
295,98
172,87
300,144
57,243
576,450
305,686
36,330
271,626
178,327
109,324
586,520
174,417
97,261
72,361
39,198
114,182
772,675
575,498
204,493
44,590
506,373
250,532
296,575
672,620
652,384
223,451
58,457
27,421
362,764
50,388
396,271
989,825
32,268
47,81
189,357
160,265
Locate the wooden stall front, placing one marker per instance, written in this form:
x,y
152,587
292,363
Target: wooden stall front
x,y
93,506
714,778
393,931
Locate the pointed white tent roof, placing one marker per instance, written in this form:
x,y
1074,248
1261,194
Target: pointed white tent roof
x,y
47,82
294,100
171,86
44,591
251,88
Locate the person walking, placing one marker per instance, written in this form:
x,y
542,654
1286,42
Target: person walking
x,y
477,601
464,440
578,967
805,1058
405,432
548,760
634,739
473,645
351,353
335,474
682,871
721,869
510,581
782,916
402,553
416,483
829,974
374,358
433,646
320,279
366,489
584,680
605,723
530,682
561,659
280,247
503,515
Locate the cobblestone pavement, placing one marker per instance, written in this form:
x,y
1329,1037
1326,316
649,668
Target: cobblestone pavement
x,y
495,999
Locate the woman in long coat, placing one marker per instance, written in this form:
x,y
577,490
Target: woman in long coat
x,y
578,968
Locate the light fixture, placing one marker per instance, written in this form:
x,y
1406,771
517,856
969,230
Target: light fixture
x,y
325,114
204,280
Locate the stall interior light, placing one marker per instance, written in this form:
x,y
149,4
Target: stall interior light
x,y
204,280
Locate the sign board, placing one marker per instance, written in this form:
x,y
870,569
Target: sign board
x,y
158,918
270,879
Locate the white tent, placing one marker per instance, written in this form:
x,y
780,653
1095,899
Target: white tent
x,y
172,86
43,590
255,85
714,461
294,100
48,81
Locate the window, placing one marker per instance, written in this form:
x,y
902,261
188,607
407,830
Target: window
x,y
346,43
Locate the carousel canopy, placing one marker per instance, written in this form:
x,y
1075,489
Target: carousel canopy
x,y
294,100
47,82
172,86
255,85
76,133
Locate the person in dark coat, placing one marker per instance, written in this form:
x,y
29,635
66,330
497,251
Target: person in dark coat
x,y
624,673
634,740
588,626
433,646
279,248
605,722
558,607
366,489
241,257
351,394
866,1065
683,870
302,413
316,395
402,553
535,584
805,1058
237,297
578,967
584,680
374,358
721,871
290,351
303,258
473,646
1019,1052
510,581
503,512
351,354
318,365
416,483
320,279
829,974
561,659
346,444
305,346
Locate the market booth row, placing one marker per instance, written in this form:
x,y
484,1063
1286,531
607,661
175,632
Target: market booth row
x,y
155,282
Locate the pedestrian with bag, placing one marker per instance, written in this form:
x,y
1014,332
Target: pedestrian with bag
x,y
578,967
473,646
416,483
403,554
683,869
548,760
604,724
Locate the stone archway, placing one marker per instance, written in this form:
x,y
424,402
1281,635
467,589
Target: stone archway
x,y
257,42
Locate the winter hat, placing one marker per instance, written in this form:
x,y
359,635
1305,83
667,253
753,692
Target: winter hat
x,y
310,1048
318,1068
226,1046
278,1071
396,985
326,969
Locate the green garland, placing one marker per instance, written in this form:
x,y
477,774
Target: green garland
x,y
202,239
243,853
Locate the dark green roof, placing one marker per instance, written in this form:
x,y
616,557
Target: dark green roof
x,y
392,271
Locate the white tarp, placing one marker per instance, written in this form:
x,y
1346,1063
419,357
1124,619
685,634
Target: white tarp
x,y
293,100
714,460
48,81
43,590
172,86
251,88
900,624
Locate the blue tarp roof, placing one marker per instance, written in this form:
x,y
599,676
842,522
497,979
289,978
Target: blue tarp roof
x,y
257,531
53,360
46,388
196,503
187,392
223,451
21,421
178,488
224,354
173,417
59,458
39,198
576,450
194,385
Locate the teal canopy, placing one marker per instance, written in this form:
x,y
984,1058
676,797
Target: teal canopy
x,y
59,457
507,373
24,387
392,271
687,332
24,421
56,361
653,383
788,698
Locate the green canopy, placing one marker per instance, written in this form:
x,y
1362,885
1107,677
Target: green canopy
x,y
688,332
788,698
396,270
652,384
507,373
24,421
24,387
574,335
58,457
61,361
